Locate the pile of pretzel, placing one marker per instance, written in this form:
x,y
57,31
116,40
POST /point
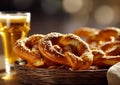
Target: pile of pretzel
x,y
104,44
80,50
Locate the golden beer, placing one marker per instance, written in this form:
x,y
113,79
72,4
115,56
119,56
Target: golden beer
x,y
12,28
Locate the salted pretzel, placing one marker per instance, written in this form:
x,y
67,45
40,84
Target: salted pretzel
x,y
111,48
108,55
66,49
26,48
85,32
104,35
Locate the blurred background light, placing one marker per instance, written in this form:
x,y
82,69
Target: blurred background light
x,y
65,16
88,5
75,22
79,13
104,15
71,6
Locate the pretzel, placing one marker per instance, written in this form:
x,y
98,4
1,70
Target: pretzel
x,y
26,48
104,35
111,48
66,49
108,55
85,32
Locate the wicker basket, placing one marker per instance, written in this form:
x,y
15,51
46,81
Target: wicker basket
x,y
42,76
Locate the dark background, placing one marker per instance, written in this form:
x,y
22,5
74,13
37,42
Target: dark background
x,y
50,15
66,15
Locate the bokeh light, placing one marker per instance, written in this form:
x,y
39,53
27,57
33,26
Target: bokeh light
x,y
104,15
71,6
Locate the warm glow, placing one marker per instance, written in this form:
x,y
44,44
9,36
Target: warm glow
x,y
104,15
7,66
6,77
71,6
9,76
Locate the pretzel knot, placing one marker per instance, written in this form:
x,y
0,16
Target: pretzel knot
x,y
108,55
66,49
104,35
27,49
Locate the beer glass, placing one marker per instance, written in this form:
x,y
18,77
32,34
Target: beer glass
x,y
13,26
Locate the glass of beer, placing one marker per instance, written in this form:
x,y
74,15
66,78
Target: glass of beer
x,y
13,26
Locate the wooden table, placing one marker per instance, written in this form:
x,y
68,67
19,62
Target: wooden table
x,y
6,79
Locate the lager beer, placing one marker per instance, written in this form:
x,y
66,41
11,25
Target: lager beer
x,y
13,26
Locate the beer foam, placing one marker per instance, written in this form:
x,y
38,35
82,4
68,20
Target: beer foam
x,y
11,18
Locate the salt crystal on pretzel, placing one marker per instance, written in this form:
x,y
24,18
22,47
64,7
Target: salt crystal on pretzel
x,y
75,52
